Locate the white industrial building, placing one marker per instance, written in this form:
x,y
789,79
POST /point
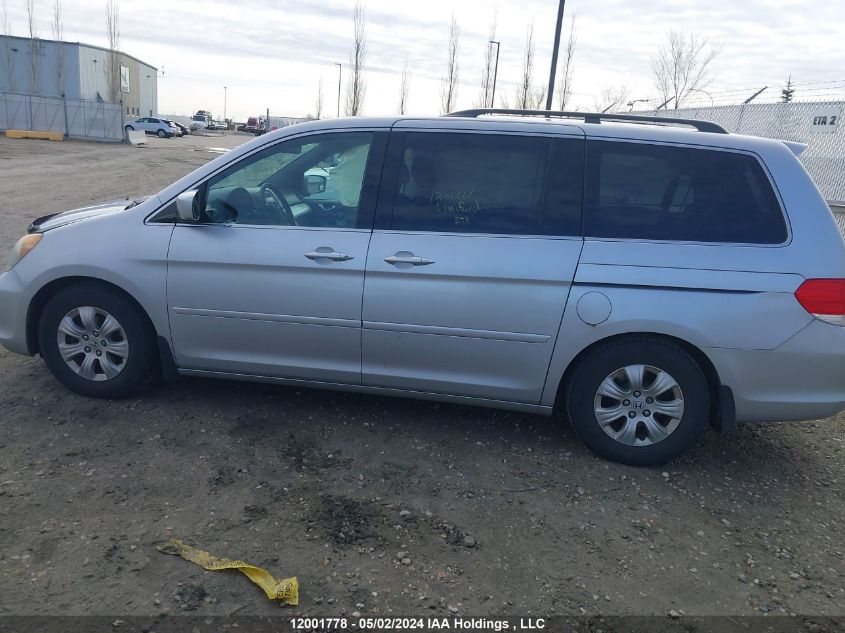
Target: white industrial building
x,y
84,73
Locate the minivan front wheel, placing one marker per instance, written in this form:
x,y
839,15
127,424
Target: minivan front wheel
x,y
97,342
639,401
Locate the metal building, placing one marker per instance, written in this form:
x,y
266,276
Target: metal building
x,y
76,71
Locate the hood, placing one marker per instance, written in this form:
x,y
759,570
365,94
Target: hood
x,y
55,220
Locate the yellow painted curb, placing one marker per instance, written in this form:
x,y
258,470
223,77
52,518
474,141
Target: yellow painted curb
x,y
47,136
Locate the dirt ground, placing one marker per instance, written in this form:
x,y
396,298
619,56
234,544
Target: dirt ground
x,y
377,505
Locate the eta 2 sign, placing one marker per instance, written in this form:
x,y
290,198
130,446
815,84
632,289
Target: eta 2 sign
x,y
826,119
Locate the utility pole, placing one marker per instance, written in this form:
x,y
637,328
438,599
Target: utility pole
x,y
551,92
224,103
495,73
339,72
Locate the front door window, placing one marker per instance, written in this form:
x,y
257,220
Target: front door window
x,y
315,182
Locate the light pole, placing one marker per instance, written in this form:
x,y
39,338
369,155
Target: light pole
x,y
551,93
339,72
495,73
635,102
224,103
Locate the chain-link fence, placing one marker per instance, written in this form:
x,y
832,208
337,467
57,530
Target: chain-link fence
x,y
75,118
819,124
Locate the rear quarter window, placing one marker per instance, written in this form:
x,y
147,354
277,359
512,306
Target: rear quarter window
x,y
662,192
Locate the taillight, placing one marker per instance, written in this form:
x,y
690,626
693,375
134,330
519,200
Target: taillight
x,y
824,299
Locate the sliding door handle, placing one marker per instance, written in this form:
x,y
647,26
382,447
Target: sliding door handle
x,y
404,259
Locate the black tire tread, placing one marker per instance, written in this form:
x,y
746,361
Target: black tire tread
x,y
620,453
136,377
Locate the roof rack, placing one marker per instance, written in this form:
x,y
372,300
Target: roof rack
x,y
594,117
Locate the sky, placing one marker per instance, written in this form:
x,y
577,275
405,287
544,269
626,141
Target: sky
x,y
274,55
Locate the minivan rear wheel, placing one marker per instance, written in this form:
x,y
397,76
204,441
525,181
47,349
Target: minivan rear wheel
x,y
97,342
161,133
639,401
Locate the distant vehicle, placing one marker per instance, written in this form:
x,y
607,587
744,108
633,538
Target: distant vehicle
x,y
152,125
276,122
201,120
252,124
181,126
177,130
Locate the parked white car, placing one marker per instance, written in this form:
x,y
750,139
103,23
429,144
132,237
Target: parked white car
x,y
151,125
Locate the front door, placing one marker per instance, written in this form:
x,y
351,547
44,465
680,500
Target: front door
x,y
270,281
469,273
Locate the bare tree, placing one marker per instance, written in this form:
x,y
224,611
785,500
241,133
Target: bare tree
x,y
7,49
682,66
612,99
564,84
485,97
525,90
58,35
318,102
404,88
537,98
356,86
112,66
449,83
34,45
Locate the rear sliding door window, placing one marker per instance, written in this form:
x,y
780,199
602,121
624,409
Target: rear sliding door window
x,y
659,192
488,183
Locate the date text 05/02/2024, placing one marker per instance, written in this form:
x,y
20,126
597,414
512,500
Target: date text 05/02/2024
x,y
418,624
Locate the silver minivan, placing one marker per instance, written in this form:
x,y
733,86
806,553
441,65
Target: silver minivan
x,y
646,280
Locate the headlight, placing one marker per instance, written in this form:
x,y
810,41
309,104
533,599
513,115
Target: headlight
x,y
22,249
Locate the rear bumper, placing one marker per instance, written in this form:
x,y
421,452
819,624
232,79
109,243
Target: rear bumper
x,y
13,313
803,379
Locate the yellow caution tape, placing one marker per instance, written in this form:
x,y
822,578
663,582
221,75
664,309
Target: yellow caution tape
x,y
286,590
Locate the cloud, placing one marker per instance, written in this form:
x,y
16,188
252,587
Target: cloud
x,y
272,55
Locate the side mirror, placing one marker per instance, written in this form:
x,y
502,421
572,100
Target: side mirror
x,y
186,206
315,184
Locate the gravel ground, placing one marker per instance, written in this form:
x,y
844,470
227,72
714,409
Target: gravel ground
x,y
377,505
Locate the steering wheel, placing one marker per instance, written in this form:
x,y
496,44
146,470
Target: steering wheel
x,y
268,194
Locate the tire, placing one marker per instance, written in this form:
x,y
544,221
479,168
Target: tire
x,y
124,366
161,134
129,128
643,437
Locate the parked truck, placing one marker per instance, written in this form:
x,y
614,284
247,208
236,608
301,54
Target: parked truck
x,y
201,120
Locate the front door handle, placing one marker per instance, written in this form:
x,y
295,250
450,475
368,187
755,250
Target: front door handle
x,y
406,259
327,254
